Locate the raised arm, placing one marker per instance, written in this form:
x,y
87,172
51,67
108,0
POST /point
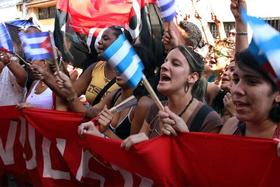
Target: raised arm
x,y
12,63
220,26
241,39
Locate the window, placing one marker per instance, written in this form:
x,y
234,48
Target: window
x,y
46,13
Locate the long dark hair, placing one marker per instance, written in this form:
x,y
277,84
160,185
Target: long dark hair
x,y
121,30
196,64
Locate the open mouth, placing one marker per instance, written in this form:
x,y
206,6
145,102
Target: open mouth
x,y
164,78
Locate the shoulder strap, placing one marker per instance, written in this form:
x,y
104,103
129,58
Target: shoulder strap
x,y
115,97
199,118
103,91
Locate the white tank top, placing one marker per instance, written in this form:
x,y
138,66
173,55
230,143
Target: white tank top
x,y
10,92
43,100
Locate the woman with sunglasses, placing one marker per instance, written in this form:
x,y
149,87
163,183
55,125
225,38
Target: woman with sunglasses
x,y
180,77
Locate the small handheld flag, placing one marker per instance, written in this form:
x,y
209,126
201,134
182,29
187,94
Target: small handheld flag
x,y
266,41
6,43
37,45
121,55
167,9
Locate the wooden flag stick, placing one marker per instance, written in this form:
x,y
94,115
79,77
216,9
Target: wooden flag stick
x,y
24,61
123,104
151,92
54,51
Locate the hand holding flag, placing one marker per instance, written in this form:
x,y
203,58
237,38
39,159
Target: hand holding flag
x,y
122,56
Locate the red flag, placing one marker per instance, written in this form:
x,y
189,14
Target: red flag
x,y
80,17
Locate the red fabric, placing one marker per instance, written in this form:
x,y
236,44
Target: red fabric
x,y
88,14
189,159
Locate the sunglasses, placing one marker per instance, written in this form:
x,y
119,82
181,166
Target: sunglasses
x,y
232,33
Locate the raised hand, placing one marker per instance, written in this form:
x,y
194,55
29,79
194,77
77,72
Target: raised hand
x,y
229,106
65,85
236,6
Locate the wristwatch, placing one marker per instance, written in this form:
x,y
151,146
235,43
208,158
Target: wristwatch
x,y
13,59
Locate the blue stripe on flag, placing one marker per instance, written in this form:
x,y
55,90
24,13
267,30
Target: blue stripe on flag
x,y
121,55
265,40
136,78
5,39
35,45
114,47
168,5
167,9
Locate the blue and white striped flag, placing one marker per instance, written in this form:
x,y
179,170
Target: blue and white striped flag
x,y
37,45
265,40
122,56
167,9
6,43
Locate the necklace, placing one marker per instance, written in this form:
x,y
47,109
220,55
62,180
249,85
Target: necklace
x,y
186,107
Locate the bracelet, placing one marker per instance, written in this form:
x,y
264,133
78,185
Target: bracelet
x,y
242,33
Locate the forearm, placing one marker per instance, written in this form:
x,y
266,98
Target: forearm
x,y
19,72
241,40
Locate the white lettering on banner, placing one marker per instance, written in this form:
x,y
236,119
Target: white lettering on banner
x,y
145,182
128,179
7,154
84,170
61,143
30,164
48,172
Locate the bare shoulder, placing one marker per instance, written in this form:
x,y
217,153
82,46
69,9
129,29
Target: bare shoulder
x,y
230,126
212,91
145,101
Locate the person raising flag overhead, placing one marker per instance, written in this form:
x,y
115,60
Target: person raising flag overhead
x,y
39,49
78,25
12,76
37,45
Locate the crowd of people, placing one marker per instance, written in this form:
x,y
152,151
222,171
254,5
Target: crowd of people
x,y
223,91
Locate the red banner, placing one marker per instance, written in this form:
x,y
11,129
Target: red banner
x,y
43,148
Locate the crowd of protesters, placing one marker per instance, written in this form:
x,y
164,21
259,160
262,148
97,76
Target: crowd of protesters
x,y
221,91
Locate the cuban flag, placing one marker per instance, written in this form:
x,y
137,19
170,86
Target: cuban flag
x,y
266,41
121,55
37,45
6,43
167,9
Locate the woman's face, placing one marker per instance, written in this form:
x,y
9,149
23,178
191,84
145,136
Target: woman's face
x,y
120,81
108,37
252,95
173,73
226,81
